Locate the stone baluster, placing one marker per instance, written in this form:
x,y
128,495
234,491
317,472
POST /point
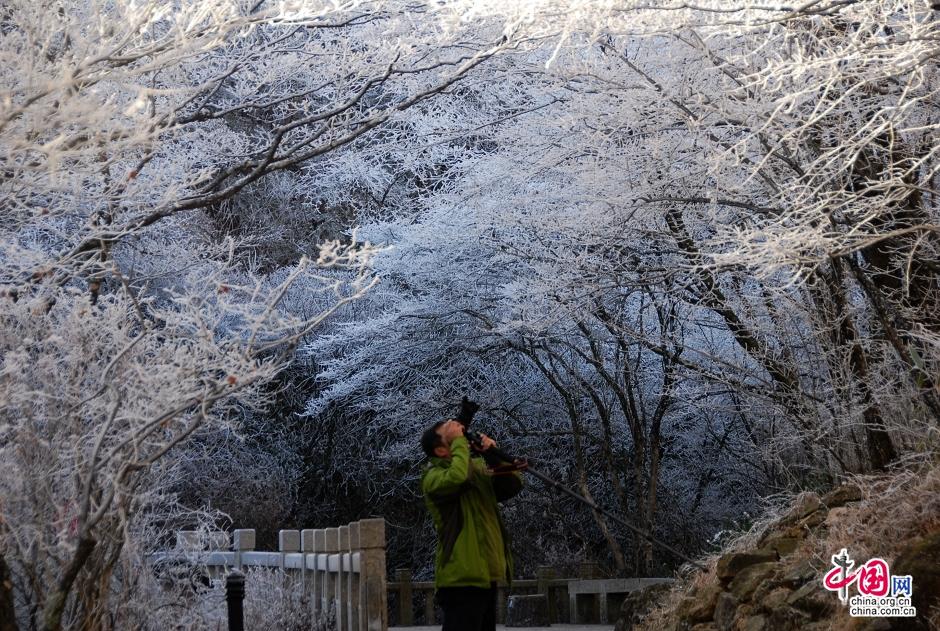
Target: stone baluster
x,y
352,578
308,571
243,541
342,588
405,602
372,597
288,541
319,575
330,571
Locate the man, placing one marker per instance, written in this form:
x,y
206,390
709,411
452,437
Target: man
x,y
472,554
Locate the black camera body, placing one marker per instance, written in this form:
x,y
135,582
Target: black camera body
x,y
468,410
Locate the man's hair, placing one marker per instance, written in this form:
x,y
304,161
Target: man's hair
x,y
431,439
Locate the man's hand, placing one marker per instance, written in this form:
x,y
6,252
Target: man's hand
x,y
487,442
450,430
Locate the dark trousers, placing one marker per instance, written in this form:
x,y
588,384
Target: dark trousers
x,y
468,608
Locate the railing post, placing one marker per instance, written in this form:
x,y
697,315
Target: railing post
x,y
352,578
307,578
403,578
543,575
373,602
319,576
243,541
329,577
573,617
587,570
429,608
287,541
342,587
234,597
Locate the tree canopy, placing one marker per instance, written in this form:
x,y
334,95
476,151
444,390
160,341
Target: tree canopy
x,y
684,255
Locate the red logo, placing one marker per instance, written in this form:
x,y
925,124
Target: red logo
x,y
872,579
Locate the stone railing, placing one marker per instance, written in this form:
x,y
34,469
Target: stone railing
x,y
586,599
342,569
343,572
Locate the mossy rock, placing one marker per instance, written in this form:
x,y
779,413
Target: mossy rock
x,y
753,623
785,618
806,505
814,599
775,599
842,495
920,560
781,545
814,519
731,564
749,578
763,590
800,574
725,610
700,607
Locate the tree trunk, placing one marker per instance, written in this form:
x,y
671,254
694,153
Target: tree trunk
x,y
55,605
7,612
881,451
576,431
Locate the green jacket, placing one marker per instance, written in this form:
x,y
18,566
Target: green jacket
x,y
472,543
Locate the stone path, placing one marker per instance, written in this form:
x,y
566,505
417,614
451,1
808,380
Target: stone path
x,y
500,627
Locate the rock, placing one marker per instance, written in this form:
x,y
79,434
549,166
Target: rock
x,y
763,590
749,578
704,626
744,610
920,560
732,563
813,599
700,607
775,599
799,575
815,518
842,495
725,609
636,605
752,623
781,544
795,531
806,504
527,611
786,619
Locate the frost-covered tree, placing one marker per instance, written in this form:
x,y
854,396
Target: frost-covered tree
x,y
692,249
766,177
142,302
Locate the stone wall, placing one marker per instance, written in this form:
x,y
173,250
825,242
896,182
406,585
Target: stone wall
x,y
775,584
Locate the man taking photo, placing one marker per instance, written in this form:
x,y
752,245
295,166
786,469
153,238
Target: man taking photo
x,y
461,493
